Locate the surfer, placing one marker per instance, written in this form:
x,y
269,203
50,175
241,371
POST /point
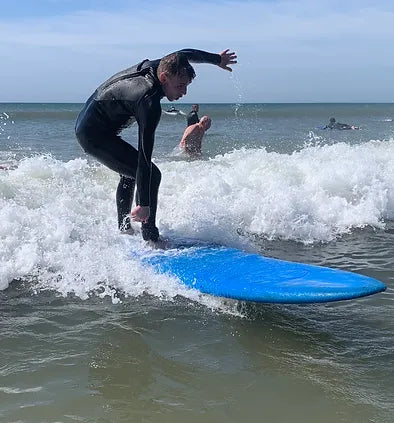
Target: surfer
x,y
192,137
134,94
192,117
337,125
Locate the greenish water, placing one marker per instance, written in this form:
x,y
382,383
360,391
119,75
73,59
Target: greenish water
x,y
89,335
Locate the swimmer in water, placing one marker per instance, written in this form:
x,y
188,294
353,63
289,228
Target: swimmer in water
x,y
191,141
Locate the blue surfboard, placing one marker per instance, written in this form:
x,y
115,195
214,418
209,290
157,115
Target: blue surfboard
x,y
231,273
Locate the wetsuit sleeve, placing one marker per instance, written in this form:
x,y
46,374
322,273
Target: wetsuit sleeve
x,y
194,56
147,116
199,56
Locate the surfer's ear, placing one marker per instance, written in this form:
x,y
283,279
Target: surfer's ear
x,y
162,77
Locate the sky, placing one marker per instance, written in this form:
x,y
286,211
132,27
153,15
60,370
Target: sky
x,y
288,51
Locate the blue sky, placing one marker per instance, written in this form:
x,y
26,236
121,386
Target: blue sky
x,y
289,51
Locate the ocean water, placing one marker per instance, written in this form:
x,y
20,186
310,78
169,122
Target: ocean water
x,y
90,335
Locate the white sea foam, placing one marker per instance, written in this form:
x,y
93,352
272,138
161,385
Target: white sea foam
x,y
58,220
8,390
312,195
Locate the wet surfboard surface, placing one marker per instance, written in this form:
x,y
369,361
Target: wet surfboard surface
x,y
232,273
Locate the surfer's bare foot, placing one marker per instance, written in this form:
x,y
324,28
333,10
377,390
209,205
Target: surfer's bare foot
x,y
129,231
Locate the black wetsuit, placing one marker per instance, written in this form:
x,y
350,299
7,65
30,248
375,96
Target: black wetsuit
x,y
192,118
338,125
130,95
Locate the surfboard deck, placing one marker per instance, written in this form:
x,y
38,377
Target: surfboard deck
x,y
231,273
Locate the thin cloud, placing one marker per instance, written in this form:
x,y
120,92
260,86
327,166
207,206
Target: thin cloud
x,y
272,39
223,21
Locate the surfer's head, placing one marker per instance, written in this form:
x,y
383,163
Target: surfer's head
x,y
332,120
175,73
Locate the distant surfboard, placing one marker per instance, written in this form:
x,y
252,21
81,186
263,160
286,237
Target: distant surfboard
x,y
352,127
174,112
231,273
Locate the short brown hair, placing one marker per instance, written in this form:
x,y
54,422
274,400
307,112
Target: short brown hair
x,y
175,64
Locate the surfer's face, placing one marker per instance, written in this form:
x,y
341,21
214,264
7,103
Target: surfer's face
x,y
174,87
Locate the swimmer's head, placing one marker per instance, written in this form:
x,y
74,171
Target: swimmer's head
x,y
205,122
332,120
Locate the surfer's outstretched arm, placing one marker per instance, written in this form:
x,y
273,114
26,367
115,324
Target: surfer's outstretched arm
x,y
223,59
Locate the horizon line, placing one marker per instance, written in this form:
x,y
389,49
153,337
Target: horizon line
x,y
210,102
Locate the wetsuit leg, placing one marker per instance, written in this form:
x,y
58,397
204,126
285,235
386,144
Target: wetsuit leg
x,y
149,229
121,157
124,201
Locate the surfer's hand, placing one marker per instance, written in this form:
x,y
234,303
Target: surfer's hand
x,y
227,59
140,214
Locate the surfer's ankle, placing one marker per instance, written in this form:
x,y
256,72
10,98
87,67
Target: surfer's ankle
x,y
150,233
